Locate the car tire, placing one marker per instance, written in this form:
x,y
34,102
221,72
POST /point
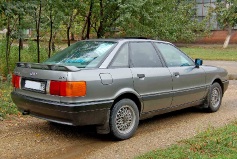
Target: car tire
x,y
214,97
124,119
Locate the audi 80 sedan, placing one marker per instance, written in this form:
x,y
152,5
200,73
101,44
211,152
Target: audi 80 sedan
x,y
114,83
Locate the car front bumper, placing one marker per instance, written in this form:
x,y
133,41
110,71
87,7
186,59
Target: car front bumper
x,y
91,113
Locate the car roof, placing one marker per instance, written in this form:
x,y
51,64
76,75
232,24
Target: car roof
x,y
127,39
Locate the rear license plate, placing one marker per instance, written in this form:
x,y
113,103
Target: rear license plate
x,y
38,86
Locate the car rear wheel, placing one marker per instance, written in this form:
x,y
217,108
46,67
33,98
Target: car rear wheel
x,y
124,119
214,97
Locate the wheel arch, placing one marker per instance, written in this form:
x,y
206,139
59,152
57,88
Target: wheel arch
x,y
131,96
218,80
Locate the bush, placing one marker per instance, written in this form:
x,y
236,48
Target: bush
x,y
28,54
6,105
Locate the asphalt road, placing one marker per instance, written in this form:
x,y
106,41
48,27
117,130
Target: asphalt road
x,y
28,137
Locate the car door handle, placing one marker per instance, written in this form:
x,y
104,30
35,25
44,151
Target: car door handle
x,y
140,75
176,74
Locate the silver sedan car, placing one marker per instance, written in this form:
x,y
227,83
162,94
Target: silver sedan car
x,y
114,83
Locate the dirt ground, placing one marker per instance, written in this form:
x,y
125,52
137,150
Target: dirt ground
x,y
28,137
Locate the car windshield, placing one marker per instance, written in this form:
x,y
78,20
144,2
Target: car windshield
x,y
82,54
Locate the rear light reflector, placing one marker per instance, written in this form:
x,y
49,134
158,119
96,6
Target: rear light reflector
x,y
16,81
67,89
54,88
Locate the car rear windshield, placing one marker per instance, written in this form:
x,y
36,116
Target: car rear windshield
x,y
82,54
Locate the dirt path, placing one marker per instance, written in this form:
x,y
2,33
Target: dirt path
x,y
28,137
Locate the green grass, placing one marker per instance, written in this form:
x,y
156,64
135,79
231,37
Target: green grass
x,y
213,143
6,104
211,53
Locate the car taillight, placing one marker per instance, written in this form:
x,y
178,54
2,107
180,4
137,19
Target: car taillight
x,y
16,81
54,88
67,89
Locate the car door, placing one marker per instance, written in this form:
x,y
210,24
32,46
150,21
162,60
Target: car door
x,y
151,80
188,80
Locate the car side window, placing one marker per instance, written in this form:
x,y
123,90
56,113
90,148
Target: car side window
x,y
143,54
121,58
173,56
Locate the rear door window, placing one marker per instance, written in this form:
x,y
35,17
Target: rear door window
x,y
143,54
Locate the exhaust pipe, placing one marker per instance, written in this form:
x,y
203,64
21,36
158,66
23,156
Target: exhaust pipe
x,y
25,112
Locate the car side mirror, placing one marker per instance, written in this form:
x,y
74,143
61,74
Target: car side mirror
x,y
198,62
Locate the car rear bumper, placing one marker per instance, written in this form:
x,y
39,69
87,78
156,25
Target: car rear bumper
x,y
91,113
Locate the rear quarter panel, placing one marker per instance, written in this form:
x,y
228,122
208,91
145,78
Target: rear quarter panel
x,y
97,90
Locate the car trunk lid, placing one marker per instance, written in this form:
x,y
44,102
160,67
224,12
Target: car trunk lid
x,y
35,79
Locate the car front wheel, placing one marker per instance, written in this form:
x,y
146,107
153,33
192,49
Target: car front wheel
x,y
124,119
214,97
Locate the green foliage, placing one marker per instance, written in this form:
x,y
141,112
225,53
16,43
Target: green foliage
x,y
12,10
6,105
213,143
28,54
3,68
166,20
226,13
107,14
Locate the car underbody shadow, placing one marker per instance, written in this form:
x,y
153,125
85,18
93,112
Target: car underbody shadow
x,y
79,131
173,114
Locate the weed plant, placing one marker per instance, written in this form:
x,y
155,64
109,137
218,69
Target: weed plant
x,y
6,104
28,54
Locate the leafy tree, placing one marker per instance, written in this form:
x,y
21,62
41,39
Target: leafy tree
x,y
70,10
34,13
54,17
167,20
11,12
105,15
23,23
226,12
87,24
37,8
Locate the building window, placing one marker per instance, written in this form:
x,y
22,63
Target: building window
x,y
202,7
202,11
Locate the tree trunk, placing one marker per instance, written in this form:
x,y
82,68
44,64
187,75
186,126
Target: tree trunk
x,y
20,40
51,33
20,48
37,31
227,39
89,20
101,26
8,44
68,34
53,41
83,29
